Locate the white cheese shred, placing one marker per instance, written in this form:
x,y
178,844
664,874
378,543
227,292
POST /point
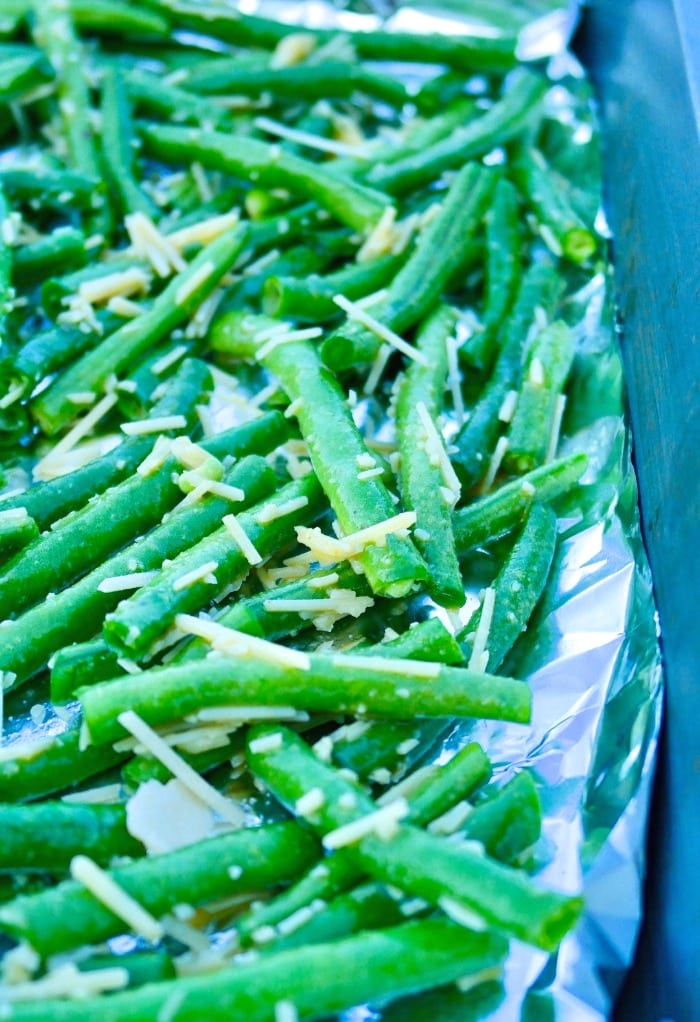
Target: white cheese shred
x,y
382,822
360,315
107,891
479,657
158,424
204,791
240,538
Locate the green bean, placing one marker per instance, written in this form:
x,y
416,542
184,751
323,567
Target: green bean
x,y
142,618
498,514
560,226
464,52
68,915
74,614
46,836
422,478
157,97
21,73
440,250
55,34
533,427
64,248
310,298
142,966
334,684
518,586
7,292
319,981
82,663
476,440
48,501
504,121
508,822
335,444
53,409
17,530
118,144
455,878
112,17
330,79
387,748
438,790
269,165
49,187
48,764
300,261
502,273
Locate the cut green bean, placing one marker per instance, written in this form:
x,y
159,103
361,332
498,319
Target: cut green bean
x,y
17,531
310,298
118,144
502,272
517,587
504,121
560,225
74,614
48,501
534,427
507,823
476,440
143,618
160,98
46,836
49,764
64,248
426,480
437,790
336,684
319,981
119,18
441,249
21,73
53,409
269,165
68,915
49,187
501,512
465,883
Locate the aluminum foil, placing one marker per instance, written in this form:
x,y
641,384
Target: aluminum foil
x,y
592,657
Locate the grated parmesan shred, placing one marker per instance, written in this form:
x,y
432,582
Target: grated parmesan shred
x,y
103,887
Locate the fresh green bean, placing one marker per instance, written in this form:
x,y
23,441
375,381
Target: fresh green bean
x,y
502,274
142,618
68,915
328,80
534,427
504,121
310,298
425,487
560,225
20,73
269,165
51,763
508,822
75,613
476,440
118,145
157,97
17,530
48,501
45,836
319,981
456,878
440,250
53,409
464,52
112,17
7,293
498,514
517,587
146,768
333,684
64,248
49,187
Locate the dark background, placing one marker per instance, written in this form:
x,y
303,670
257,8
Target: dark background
x,y
644,57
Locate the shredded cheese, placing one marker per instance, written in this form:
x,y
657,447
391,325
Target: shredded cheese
x,y
169,359
238,535
271,512
122,583
434,447
310,802
556,427
507,409
305,138
383,822
204,231
231,642
195,280
360,315
158,424
461,914
150,244
66,981
157,457
495,464
73,436
128,282
124,307
328,550
479,658
204,791
204,573
115,898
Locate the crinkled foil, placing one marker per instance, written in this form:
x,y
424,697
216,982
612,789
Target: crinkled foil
x,y
592,655
592,658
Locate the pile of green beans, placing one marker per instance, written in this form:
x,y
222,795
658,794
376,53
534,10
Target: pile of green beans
x,y
286,342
